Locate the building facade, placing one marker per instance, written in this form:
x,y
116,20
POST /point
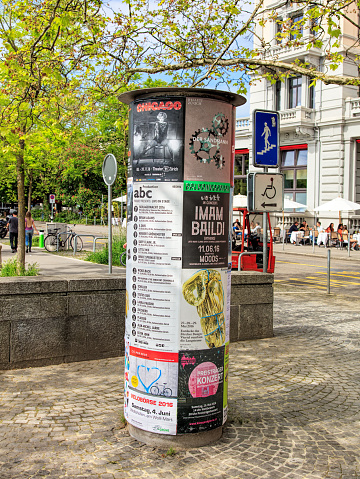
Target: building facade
x,y
319,124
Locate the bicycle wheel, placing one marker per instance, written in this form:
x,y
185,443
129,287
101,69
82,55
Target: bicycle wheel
x,y
79,243
167,392
50,243
154,390
123,258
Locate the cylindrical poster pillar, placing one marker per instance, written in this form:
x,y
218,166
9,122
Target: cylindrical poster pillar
x,y
181,163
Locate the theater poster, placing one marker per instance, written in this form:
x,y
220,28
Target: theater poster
x,y
208,140
158,140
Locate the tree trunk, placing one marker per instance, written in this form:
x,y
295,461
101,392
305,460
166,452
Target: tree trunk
x,y
30,189
21,202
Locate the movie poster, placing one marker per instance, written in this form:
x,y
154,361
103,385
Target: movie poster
x,y
158,140
206,225
201,392
208,140
204,319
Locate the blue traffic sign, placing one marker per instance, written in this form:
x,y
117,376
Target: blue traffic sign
x,y
266,139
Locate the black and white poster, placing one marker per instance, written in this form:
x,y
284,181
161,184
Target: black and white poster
x,y
158,140
206,229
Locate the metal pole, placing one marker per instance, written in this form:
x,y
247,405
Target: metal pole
x,y
328,270
121,210
315,229
110,229
265,242
349,244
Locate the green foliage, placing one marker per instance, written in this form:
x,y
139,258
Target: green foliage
x,y
12,267
102,256
171,451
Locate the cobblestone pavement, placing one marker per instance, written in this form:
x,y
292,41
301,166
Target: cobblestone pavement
x,y
294,409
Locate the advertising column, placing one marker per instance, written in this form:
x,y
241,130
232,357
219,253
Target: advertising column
x,y
181,155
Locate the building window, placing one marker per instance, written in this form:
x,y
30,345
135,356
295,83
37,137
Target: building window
x,y
312,96
296,26
278,30
314,22
294,92
294,168
241,171
278,95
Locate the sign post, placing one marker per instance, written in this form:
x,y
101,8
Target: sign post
x,y
109,171
52,203
266,154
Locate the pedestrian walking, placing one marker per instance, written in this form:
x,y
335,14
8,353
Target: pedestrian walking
x,y
29,231
12,226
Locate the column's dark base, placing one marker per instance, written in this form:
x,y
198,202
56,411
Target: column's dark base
x,y
181,440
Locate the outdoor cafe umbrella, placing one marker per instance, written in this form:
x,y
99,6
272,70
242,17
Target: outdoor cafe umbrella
x,y
121,199
239,201
338,204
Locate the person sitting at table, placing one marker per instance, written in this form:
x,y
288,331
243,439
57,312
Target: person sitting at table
x,y
319,227
256,230
340,229
294,227
236,230
303,227
353,242
330,228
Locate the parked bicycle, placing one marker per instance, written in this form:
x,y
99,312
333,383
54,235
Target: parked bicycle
x,y
3,230
65,240
123,256
157,391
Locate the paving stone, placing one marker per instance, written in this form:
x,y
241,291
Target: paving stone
x,y
294,409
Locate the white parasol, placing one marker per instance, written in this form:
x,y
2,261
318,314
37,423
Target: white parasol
x,y
121,199
338,204
240,201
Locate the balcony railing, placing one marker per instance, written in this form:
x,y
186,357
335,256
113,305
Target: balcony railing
x,y
242,124
352,107
291,118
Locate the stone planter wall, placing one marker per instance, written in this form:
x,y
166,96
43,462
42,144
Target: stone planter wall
x,y
50,320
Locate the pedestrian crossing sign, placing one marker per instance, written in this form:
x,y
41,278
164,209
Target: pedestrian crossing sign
x,y
266,141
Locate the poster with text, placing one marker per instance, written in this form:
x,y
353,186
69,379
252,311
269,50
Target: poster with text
x,y
154,306
157,224
158,140
153,414
205,225
204,315
200,396
208,140
226,382
126,378
153,372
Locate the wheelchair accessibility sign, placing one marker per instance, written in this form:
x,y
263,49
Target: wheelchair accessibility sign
x,y
266,138
266,192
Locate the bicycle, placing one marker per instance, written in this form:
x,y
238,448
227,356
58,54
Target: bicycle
x,y
155,391
53,241
123,256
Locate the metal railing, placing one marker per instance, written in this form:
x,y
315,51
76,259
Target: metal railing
x,y
95,238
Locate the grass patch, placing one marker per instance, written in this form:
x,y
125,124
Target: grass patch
x,y
35,240
102,256
12,267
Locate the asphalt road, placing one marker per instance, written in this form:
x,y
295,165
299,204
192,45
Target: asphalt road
x,y
305,272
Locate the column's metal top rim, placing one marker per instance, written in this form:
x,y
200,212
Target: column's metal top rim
x,y
144,93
